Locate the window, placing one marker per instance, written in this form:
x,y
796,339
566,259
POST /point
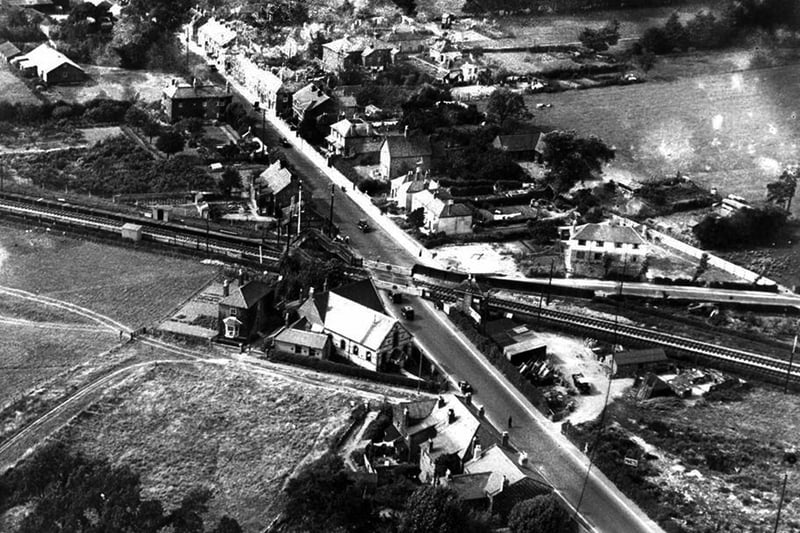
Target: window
x,y
395,338
633,259
312,352
600,243
581,242
598,256
233,312
581,255
231,331
355,350
369,356
342,345
617,245
635,246
298,348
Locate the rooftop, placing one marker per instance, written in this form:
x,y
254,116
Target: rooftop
x,y
524,142
47,59
275,178
408,146
302,337
247,295
635,357
185,91
607,233
309,97
217,31
447,437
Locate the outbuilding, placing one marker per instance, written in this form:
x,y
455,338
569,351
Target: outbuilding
x,y
132,231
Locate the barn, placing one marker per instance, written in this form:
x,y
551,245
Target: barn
x,y
50,65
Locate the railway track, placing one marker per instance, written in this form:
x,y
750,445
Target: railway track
x,y
154,231
762,364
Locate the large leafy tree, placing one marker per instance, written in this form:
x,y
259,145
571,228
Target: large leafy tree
x,y
782,191
571,159
170,142
505,105
438,509
599,40
540,514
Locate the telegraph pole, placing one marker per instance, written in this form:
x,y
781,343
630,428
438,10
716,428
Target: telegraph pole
x,y
330,217
789,370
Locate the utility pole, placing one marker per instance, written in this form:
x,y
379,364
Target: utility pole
x,y
330,217
299,205
789,370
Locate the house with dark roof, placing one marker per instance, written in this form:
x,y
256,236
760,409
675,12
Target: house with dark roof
x,y
245,309
273,189
408,42
442,214
311,102
401,154
195,100
350,138
597,250
349,52
8,51
50,65
523,146
303,338
354,317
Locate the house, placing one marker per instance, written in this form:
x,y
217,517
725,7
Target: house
x,y
438,434
311,102
50,65
272,93
504,478
633,362
470,72
443,53
443,214
303,339
596,250
347,105
351,52
407,42
518,213
359,327
216,39
350,138
201,100
274,189
8,51
244,310
403,188
523,146
401,154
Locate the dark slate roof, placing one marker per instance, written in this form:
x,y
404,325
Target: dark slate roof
x,y
309,97
417,186
362,292
8,50
522,490
636,357
247,295
408,146
524,142
608,233
455,210
186,91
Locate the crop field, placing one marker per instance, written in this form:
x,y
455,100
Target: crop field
x,y
13,89
134,287
732,131
30,353
240,436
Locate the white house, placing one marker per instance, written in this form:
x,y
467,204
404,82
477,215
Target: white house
x,y
595,250
442,214
215,38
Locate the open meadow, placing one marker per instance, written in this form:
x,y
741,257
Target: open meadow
x,y
134,287
733,131
13,89
240,436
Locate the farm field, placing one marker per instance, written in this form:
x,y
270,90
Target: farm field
x,y
732,131
240,436
721,460
13,89
134,287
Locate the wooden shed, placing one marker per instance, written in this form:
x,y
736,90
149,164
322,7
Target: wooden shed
x,y
132,231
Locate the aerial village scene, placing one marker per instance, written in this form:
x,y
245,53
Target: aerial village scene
x,y
399,266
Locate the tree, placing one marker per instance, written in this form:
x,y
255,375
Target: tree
x,y
151,128
570,159
230,178
227,525
781,192
433,509
188,518
656,41
506,105
193,125
136,116
599,40
416,218
170,142
540,514
749,226
702,267
675,33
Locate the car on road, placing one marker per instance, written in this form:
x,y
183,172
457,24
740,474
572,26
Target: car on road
x,y
408,312
364,226
395,297
465,387
583,386
285,142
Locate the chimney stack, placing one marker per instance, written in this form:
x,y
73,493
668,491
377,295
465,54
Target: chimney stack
x,y
468,398
241,277
523,458
311,292
286,319
441,401
430,445
451,416
477,449
406,418
226,289
405,131
505,439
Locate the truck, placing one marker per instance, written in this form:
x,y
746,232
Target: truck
x,y
583,386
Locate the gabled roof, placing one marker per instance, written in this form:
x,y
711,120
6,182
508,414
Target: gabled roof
x,y
471,487
302,337
247,295
455,210
408,146
499,460
608,233
269,81
352,45
447,437
217,31
187,91
635,357
349,129
524,142
48,59
8,50
275,178
362,292
309,97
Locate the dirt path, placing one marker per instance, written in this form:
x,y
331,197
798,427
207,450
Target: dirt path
x,y
49,325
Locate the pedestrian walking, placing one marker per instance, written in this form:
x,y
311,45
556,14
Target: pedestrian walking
x,y
509,422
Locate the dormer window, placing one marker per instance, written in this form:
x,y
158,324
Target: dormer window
x,y
600,243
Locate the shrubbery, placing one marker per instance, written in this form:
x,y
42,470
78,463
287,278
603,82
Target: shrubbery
x,y
746,227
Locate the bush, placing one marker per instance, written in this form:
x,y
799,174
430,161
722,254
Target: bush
x,y
373,187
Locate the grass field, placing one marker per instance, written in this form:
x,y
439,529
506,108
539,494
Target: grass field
x,y
116,83
733,131
13,89
134,287
240,436
30,354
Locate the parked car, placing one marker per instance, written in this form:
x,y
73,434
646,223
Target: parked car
x,y
285,142
363,225
396,297
465,387
407,312
583,386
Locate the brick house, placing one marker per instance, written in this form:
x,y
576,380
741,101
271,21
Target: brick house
x,y
350,52
596,250
245,309
274,189
350,138
311,102
200,100
401,154
442,214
